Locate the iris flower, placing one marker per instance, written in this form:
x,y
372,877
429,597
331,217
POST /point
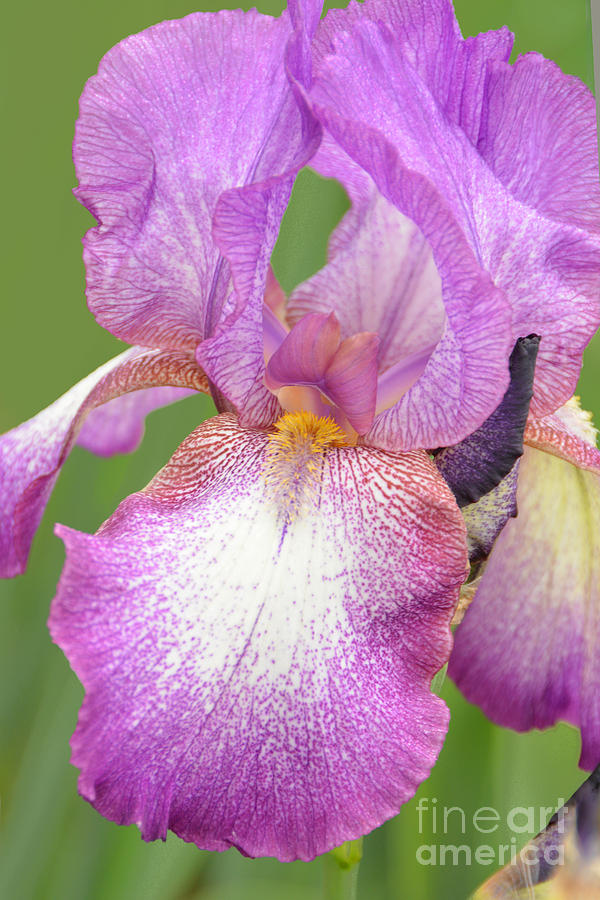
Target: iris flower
x,y
257,630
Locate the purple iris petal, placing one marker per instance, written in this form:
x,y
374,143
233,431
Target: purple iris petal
x,y
274,331
429,37
32,454
389,118
527,650
246,227
345,372
118,426
186,147
552,166
381,278
468,366
305,353
251,680
257,630
351,379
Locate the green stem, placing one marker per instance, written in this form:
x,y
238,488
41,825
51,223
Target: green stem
x,y
340,871
338,883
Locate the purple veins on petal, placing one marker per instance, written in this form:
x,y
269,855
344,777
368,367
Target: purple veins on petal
x,y
554,165
187,144
386,102
256,630
253,679
380,277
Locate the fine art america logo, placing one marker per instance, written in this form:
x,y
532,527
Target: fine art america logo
x,y
523,822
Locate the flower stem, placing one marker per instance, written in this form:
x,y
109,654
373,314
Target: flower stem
x,y
340,871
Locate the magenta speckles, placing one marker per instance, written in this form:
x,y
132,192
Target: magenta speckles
x,y
257,630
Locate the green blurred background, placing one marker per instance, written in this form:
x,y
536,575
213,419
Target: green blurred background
x,y
53,846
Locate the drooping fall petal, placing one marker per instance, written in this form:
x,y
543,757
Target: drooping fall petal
x,y
256,678
568,433
32,454
527,650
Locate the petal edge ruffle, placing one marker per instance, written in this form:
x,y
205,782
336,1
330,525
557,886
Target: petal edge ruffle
x,y
269,682
32,454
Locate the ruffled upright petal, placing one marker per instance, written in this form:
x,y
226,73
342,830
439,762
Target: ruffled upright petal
x,y
538,134
468,366
428,35
32,454
186,147
377,104
527,650
246,226
381,275
257,665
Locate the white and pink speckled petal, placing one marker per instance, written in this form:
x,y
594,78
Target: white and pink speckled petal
x,y
569,434
253,681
